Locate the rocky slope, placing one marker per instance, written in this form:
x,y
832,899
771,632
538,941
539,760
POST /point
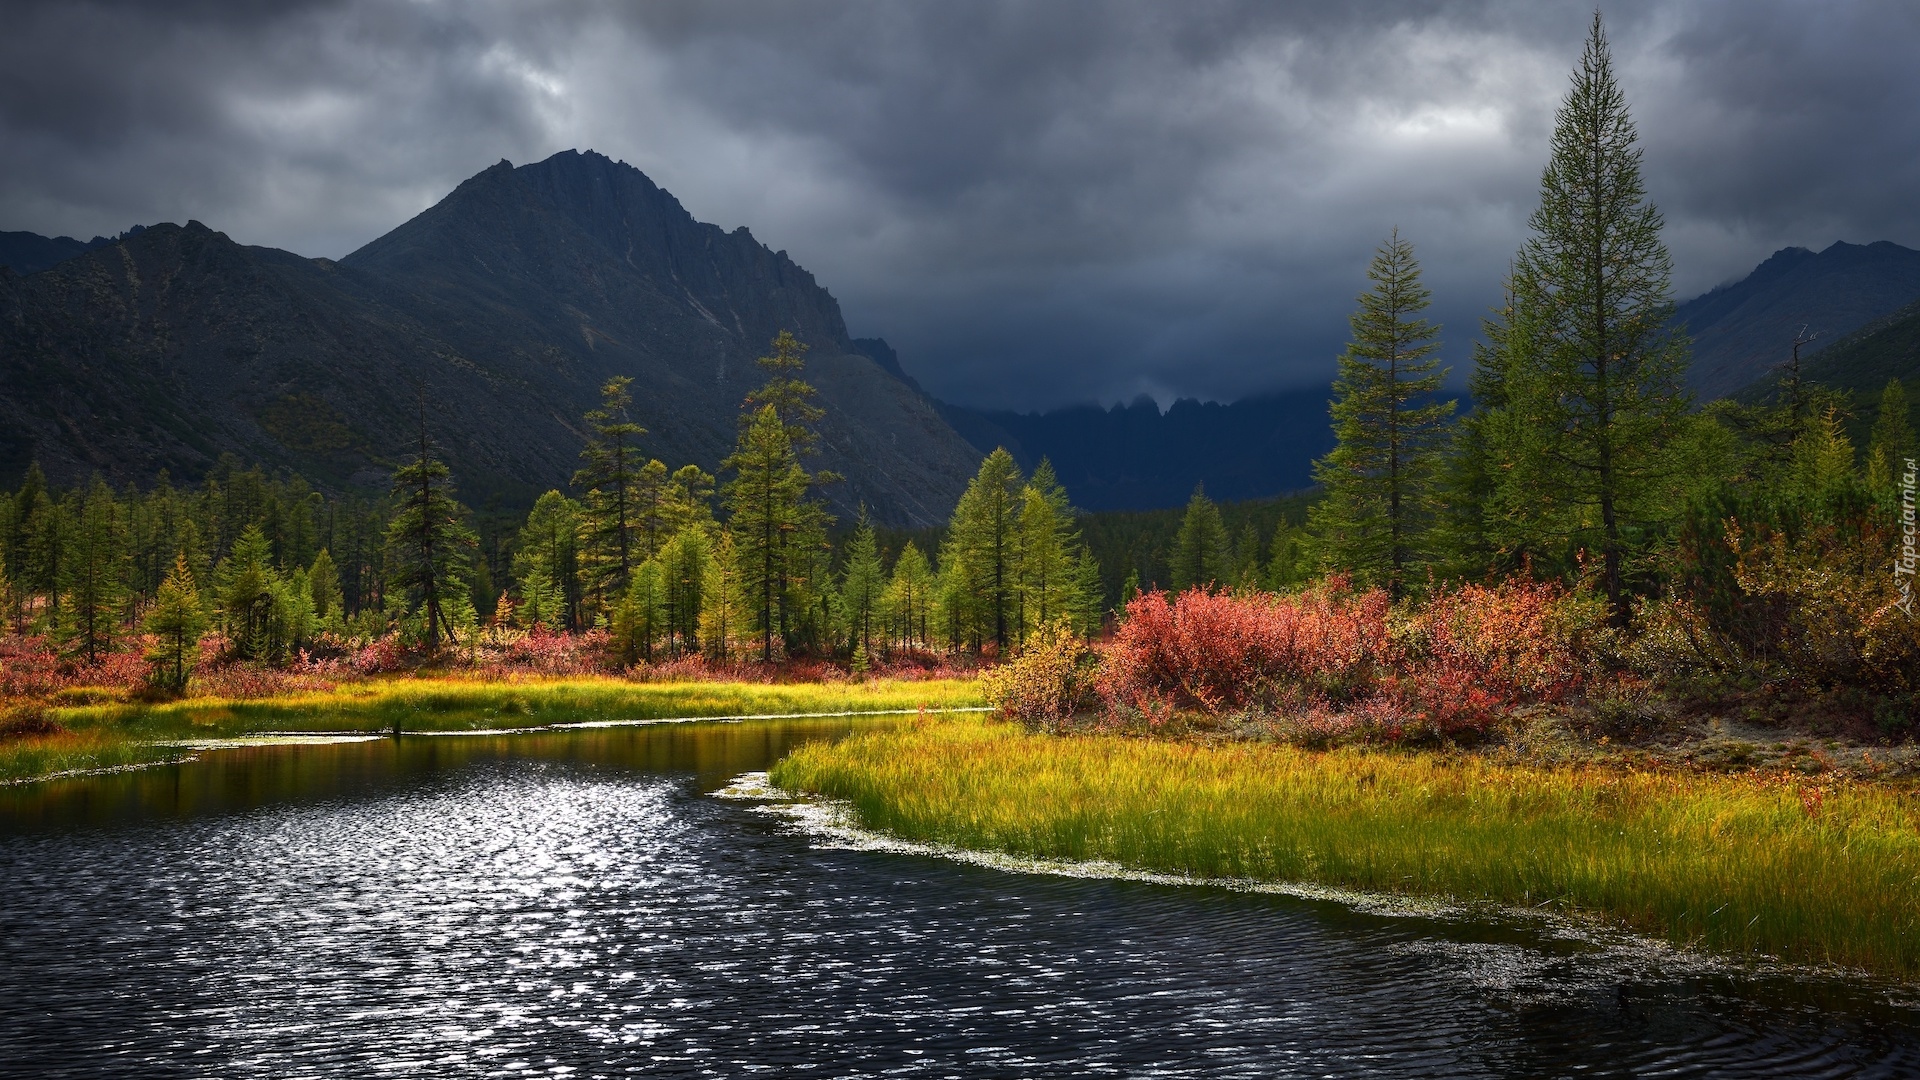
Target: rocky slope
x,y
505,306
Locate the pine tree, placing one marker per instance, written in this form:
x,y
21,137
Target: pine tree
x,y
428,542
548,546
910,598
1379,476
244,585
772,525
981,556
610,478
1202,555
863,587
92,577
1596,402
176,622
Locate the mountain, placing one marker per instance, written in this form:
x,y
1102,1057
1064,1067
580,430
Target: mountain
x,y
1861,363
30,253
1135,457
508,303
1742,330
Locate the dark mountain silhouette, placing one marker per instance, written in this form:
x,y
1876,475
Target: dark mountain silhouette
x,y
1861,363
1135,457
1742,330
30,253
508,304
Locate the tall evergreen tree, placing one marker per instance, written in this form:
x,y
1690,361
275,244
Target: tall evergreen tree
x,y
910,599
981,559
863,588
323,585
790,396
1050,555
1379,477
428,543
176,622
723,601
244,586
1202,554
772,523
93,577
1596,400
685,562
548,546
610,477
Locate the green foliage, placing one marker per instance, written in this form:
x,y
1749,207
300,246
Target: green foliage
x,y
323,587
546,563
92,577
862,589
1381,474
724,615
775,529
910,599
1202,554
1588,444
610,476
176,622
685,563
1891,442
981,558
429,545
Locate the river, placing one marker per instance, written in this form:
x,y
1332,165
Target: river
x,y
578,904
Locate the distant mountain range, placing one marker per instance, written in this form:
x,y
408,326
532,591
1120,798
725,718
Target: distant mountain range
x,y
511,300
507,304
1742,330
1134,457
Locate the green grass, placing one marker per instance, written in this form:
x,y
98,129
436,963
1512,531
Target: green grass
x,y
102,736
26,757
1739,865
472,705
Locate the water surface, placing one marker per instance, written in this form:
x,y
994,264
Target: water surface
x,y
576,904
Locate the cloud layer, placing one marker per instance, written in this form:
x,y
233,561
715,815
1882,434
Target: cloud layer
x,y
1037,203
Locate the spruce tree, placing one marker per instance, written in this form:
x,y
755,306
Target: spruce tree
x,y
1202,554
610,477
176,622
863,587
428,543
1596,400
1388,431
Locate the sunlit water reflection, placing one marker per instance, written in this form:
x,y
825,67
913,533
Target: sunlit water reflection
x,y
574,904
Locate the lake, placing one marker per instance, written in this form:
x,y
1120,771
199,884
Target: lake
x,y
579,904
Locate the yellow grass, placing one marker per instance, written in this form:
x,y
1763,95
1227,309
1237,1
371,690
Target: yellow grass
x,y
1743,865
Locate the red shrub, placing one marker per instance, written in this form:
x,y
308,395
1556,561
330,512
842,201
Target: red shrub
x,y
1479,649
1221,653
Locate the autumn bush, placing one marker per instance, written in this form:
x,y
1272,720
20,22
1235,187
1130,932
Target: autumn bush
x,y
1048,683
1332,663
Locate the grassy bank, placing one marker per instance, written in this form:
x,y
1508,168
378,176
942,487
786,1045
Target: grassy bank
x,y
100,736
1735,864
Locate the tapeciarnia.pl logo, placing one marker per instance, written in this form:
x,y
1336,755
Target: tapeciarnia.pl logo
x,y
1903,567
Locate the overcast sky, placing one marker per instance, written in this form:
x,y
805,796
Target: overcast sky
x,y
1036,203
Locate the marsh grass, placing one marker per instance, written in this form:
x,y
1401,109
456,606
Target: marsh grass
x,y
1786,867
29,756
452,704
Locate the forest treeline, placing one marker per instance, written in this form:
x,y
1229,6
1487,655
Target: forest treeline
x,y
1736,537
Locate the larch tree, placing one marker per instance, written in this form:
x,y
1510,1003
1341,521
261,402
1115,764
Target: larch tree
x,y
176,620
428,543
1388,430
1050,554
1202,554
92,577
611,473
863,587
723,602
981,558
1891,441
546,563
770,520
1591,448
910,598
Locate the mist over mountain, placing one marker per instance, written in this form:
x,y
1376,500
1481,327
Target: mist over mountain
x,y
504,306
1744,329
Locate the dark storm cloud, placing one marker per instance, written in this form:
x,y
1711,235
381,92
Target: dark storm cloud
x,y
1036,202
